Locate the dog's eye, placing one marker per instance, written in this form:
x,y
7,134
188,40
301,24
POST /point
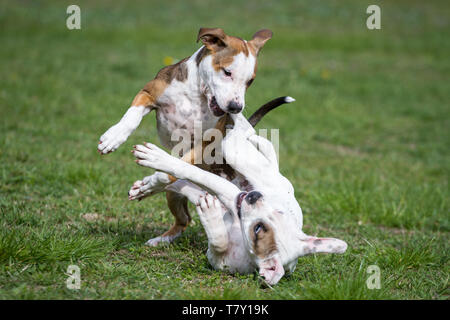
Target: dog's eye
x,y
249,82
258,228
226,72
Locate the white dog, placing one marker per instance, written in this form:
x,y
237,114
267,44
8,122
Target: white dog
x,y
259,228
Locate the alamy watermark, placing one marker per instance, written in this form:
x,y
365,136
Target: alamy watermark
x,y
374,280
211,141
374,20
73,282
74,19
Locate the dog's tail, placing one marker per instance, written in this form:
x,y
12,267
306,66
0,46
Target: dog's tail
x,y
264,109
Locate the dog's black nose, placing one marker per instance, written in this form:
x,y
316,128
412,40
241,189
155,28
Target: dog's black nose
x,y
234,107
252,197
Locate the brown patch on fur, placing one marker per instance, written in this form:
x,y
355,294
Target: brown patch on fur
x,y
149,95
252,48
143,98
222,46
264,241
201,54
178,207
176,71
258,40
214,39
225,56
223,170
237,44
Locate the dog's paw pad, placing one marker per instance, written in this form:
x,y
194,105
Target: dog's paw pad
x,y
209,205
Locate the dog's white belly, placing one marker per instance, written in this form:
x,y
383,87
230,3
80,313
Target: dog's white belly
x,y
178,109
236,258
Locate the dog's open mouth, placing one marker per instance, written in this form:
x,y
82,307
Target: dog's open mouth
x,y
215,108
239,200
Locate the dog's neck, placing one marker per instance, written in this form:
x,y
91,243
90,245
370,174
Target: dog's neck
x,y
194,82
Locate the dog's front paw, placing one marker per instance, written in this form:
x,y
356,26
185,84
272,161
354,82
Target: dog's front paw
x,y
149,186
149,155
112,139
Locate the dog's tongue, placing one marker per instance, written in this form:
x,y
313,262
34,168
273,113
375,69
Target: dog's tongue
x,y
215,108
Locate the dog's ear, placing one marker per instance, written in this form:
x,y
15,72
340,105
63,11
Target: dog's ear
x,y
271,270
260,38
309,245
213,38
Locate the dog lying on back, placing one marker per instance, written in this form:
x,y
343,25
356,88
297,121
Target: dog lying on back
x,y
259,228
202,87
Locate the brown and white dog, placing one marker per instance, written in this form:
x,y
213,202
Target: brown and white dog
x,y
202,87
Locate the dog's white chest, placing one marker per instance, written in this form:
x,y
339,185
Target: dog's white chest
x,y
179,110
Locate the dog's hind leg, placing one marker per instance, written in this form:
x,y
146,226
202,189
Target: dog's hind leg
x,y
178,207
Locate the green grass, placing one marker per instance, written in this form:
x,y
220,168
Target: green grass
x,y
366,146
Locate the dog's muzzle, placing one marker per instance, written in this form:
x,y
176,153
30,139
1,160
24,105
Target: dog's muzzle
x,y
252,197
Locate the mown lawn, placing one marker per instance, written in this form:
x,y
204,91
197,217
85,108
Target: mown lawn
x,y
366,146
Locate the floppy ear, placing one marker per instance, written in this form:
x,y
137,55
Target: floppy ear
x,y
310,245
260,38
213,38
271,270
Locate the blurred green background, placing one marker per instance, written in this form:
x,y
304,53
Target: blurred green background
x,y
366,146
